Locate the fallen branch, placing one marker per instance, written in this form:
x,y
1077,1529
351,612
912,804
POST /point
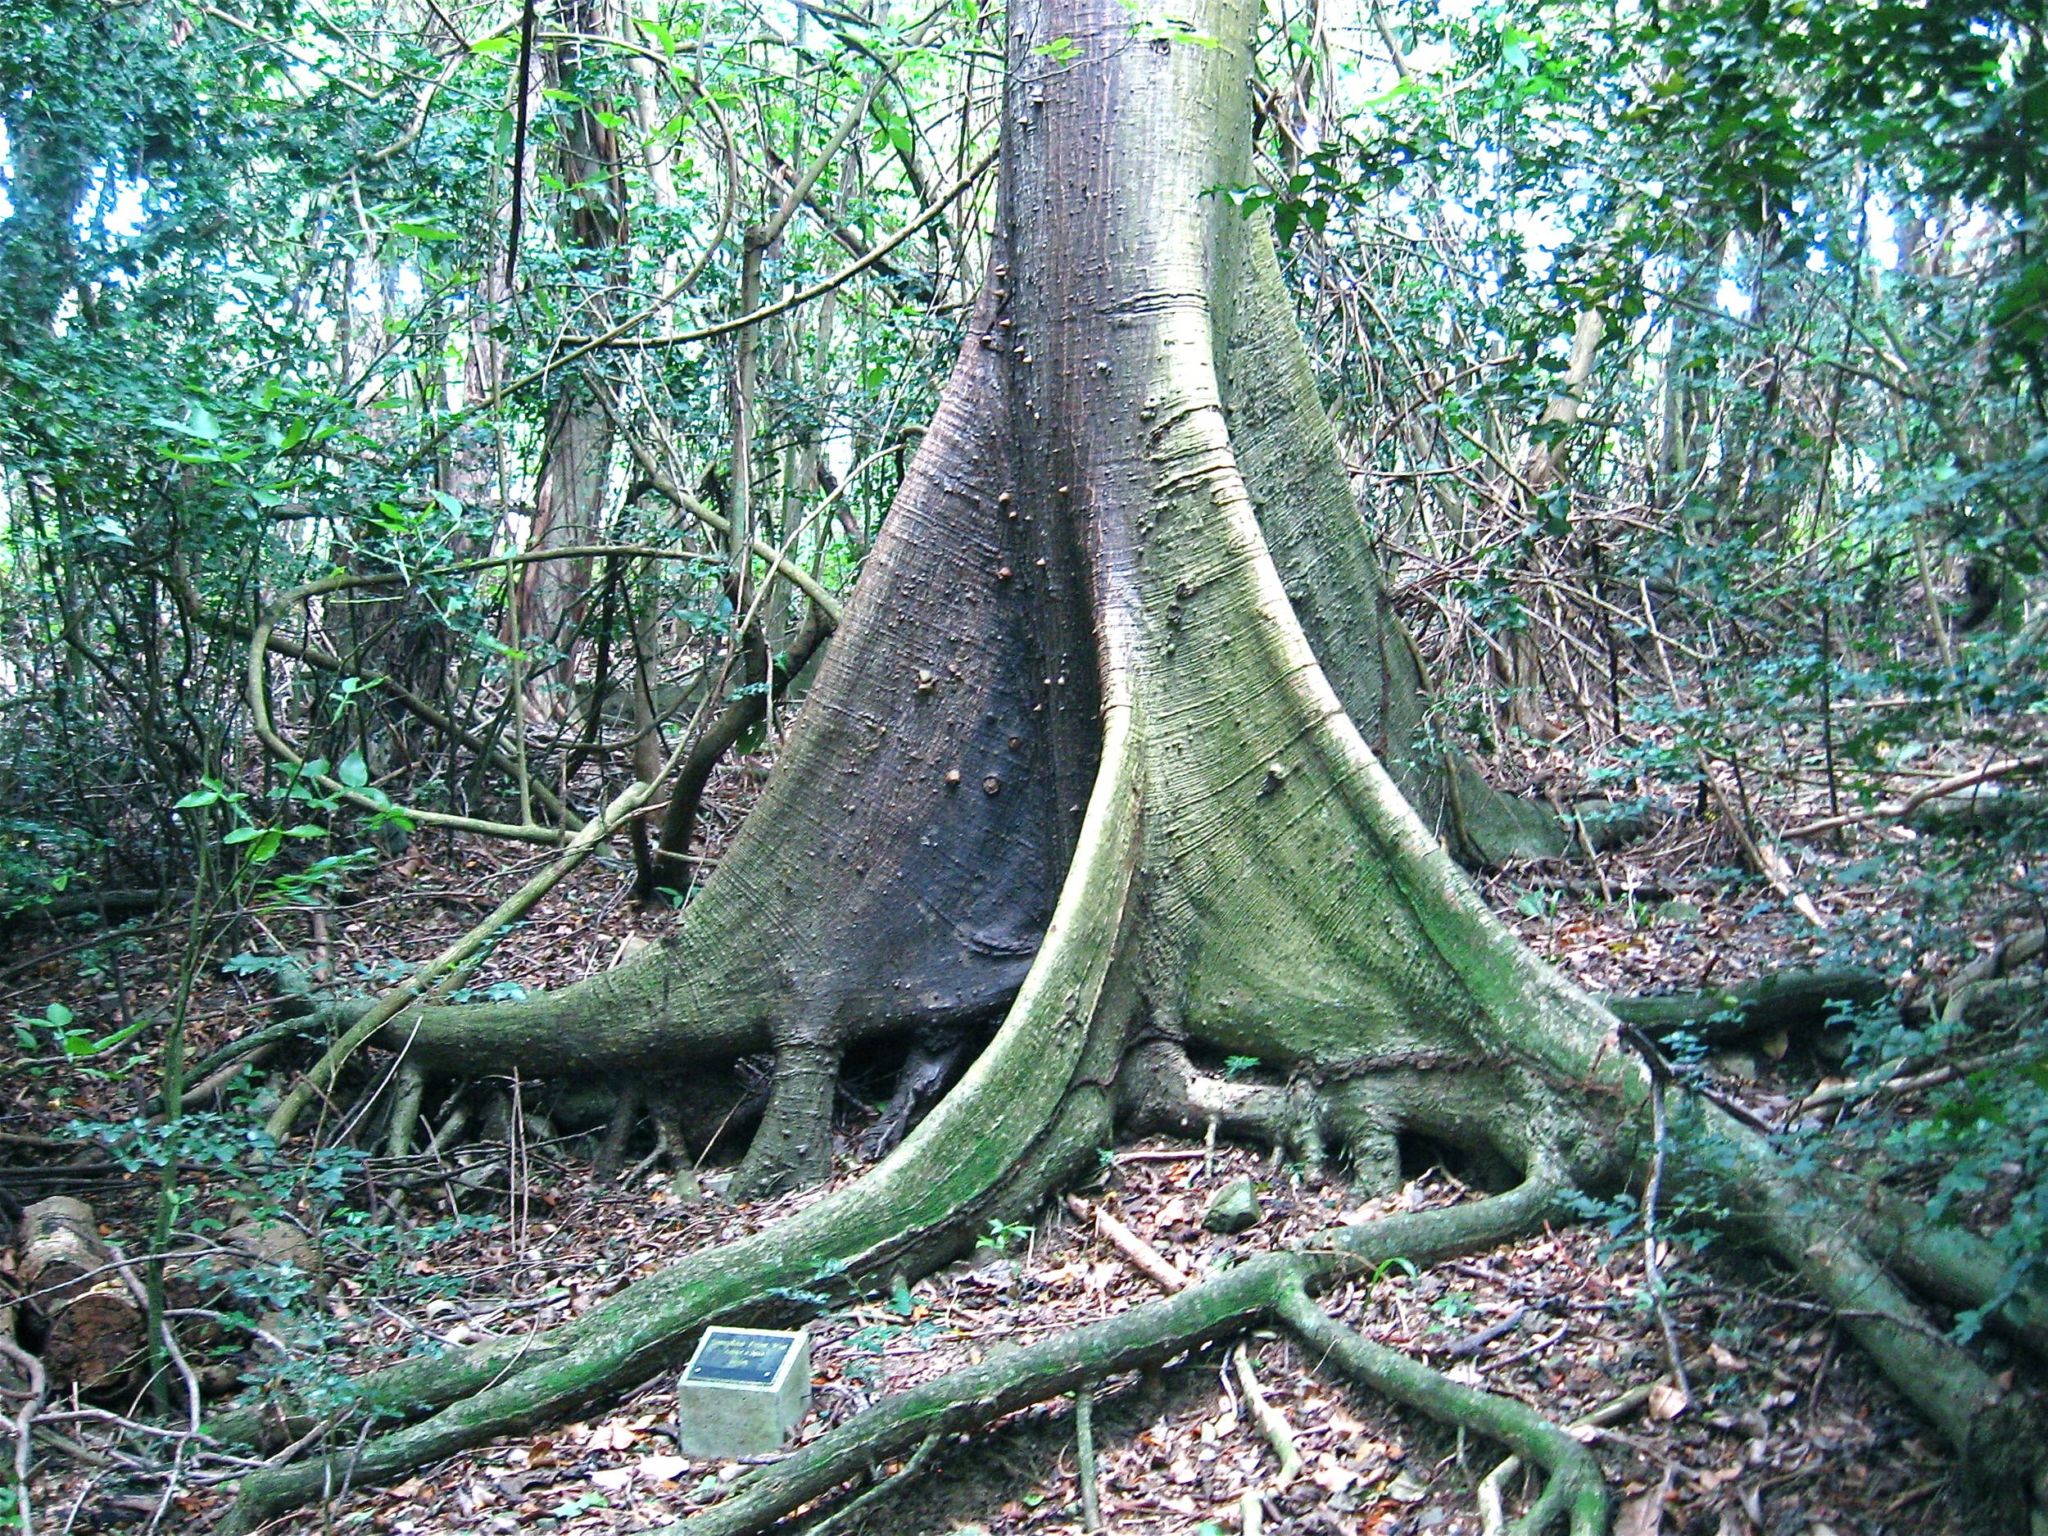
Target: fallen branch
x,y
1763,856
2007,955
1901,810
1271,1422
24,1419
1143,1257
1887,1081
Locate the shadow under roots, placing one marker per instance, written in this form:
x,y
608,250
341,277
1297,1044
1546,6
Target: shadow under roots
x,y
1473,1164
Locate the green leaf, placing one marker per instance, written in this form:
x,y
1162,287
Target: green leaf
x,y
108,1042
353,771
428,232
242,835
58,1015
196,799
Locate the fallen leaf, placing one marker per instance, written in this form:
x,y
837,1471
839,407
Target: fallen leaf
x,y
1644,1514
1725,1360
1667,1401
661,1469
1331,1475
610,1437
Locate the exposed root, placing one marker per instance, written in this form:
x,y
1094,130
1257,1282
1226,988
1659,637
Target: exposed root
x,y
618,1133
1493,1487
1139,577
792,1149
410,1092
1575,1489
1007,1380
1163,1092
1952,1265
2002,1443
1146,1335
1789,999
933,1064
1033,1107
1084,1458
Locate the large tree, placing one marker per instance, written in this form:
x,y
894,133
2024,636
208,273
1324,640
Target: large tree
x,y
1111,748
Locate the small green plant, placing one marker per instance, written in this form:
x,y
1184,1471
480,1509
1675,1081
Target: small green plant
x,y
52,1033
1237,1066
1395,1265
1453,1306
1001,1235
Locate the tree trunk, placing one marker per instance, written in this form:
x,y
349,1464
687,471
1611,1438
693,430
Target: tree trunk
x,y
576,452
1097,750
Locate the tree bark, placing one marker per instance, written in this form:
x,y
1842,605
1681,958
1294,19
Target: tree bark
x,y
575,469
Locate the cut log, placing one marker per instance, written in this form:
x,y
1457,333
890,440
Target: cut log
x,y
12,1377
92,1328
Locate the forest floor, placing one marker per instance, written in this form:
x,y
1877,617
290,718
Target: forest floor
x,y
1788,1430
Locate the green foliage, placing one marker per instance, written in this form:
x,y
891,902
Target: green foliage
x,y
1003,1235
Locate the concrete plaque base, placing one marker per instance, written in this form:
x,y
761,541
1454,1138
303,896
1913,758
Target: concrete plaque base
x,y
744,1392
